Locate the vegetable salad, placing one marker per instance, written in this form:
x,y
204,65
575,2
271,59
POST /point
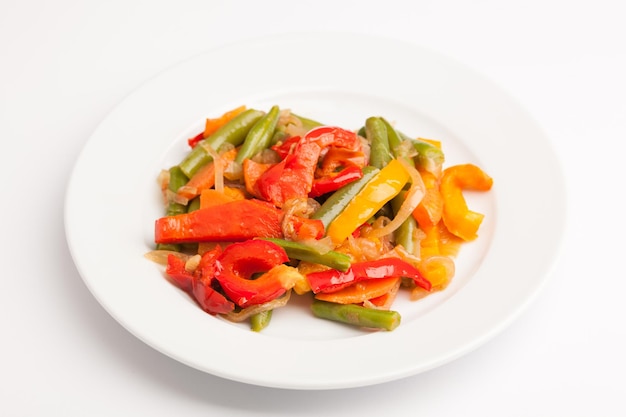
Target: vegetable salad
x,y
269,204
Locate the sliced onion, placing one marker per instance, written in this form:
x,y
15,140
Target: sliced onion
x,y
413,197
176,198
164,182
406,149
192,263
234,171
391,297
164,178
267,156
218,165
400,252
159,256
259,308
295,130
187,190
363,248
296,207
444,262
365,148
321,246
285,118
287,228
301,206
418,293
350,247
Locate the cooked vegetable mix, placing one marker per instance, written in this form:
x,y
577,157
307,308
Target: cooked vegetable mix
x,y
267,204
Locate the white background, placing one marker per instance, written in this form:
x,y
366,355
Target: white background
x,y
65,64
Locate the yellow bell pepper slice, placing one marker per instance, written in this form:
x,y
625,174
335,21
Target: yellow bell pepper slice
x,y
457,217
375,194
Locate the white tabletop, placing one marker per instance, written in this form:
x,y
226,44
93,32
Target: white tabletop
x,y
66,64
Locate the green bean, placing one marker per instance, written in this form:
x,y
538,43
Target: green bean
x,y
394,138
177,180
174,247
377,136
385,211
340,198
304,252
175,208
279,136
429,157
261,320
259,136
307,124
404,235
356,315
193,205
233,132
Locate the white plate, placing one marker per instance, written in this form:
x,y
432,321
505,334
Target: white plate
x,y
112,201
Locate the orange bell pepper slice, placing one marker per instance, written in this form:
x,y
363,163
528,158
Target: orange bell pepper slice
x,y
430,209
211,125
361,291
252,171
457,217
204,178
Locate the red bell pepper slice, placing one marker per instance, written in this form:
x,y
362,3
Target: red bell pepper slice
x,y
337,158
175,269
332,135
332,183
206,266
192,142
292,177
240,261
333,280
286,147
211,300
304,228
324,136
199,282
234,221
207,297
